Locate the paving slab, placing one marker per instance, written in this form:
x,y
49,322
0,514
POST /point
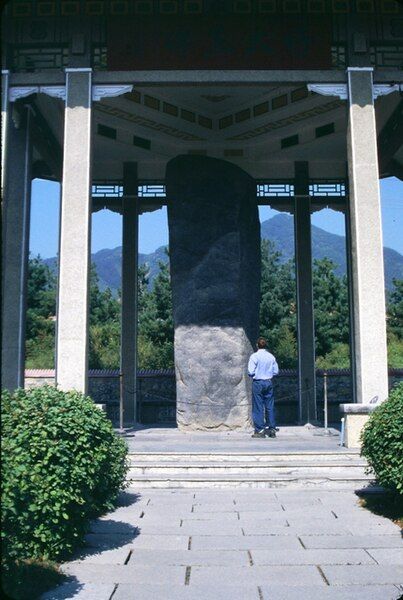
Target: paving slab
x,y
123,513
311,511
212,517
294,575
352,541
161,542
217,527
110,526
254,507
349,556
373,592
190,557
371,528
162,528
80,591
387,556
189,592
214,507
304,527
107,541
363,574
162,575
219,542
97,556
276,518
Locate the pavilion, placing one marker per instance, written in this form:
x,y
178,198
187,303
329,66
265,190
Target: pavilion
x,y
303,95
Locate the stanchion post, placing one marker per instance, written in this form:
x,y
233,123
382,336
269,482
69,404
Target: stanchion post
x,y
121,428
325,399
325,431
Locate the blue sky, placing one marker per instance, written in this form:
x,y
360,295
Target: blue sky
x,y
153,231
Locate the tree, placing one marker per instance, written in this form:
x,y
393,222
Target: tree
x,y
156,330
395,325
41,309
395,309
278,306
330,301
104,330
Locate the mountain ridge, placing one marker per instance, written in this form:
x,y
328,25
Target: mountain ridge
x,y
279,229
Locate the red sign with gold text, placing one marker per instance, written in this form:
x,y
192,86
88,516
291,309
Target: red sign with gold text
x,y
220,42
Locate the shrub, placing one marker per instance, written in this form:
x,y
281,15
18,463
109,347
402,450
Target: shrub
x,y
62,465
382,441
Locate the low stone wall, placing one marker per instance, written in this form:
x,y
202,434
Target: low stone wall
x,y
156,393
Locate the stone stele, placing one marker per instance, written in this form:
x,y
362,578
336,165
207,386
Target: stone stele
x,y
214,240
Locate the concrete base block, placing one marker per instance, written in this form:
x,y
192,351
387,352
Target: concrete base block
x,y
354,424
355,417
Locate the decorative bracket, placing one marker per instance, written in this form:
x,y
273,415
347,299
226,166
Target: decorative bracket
x,y
16,93
329,89
56,91
340,89
59,91
383,89
106,91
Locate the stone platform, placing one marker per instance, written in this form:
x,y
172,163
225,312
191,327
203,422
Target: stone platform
x,y
299,457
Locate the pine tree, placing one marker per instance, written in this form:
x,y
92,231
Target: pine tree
x,y
330,301
277,306
40,317
395,309
156,330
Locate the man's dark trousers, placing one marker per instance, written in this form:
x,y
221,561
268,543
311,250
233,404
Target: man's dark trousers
x,y
263,404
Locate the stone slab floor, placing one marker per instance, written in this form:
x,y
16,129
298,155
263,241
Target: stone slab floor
x,y
256,544
145,438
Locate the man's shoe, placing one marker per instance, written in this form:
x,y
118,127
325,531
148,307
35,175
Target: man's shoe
x,y
271,433
259,434
267,431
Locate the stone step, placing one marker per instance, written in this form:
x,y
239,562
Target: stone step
x,y
137,458
247,480
242,468
334,469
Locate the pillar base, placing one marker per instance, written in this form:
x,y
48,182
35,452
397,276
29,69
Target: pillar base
x,y
355,418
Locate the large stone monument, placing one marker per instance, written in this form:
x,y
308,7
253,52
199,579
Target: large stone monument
x,y
214,239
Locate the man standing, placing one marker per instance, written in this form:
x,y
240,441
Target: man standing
x,y
262,367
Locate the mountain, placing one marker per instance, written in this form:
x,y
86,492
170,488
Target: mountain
x,y
279,229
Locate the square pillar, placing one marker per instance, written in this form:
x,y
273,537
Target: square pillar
x,y
305,313
5,112
367,270
75,230
16,213
128,359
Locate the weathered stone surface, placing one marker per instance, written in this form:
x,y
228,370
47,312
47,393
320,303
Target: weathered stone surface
x,y
214,235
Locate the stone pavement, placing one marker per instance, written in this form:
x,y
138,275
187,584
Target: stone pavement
x,y
153,439
252,544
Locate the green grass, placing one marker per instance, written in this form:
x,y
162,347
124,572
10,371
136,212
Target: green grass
x,y
28,580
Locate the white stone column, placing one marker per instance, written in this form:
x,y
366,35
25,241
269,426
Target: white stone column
x,y
5,112
75,230
370,355
129,293
16,212
305,315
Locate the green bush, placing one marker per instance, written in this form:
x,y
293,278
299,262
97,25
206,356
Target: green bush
x,y
62,465
382,441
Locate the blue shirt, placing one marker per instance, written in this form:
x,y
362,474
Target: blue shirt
x,y
262,365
